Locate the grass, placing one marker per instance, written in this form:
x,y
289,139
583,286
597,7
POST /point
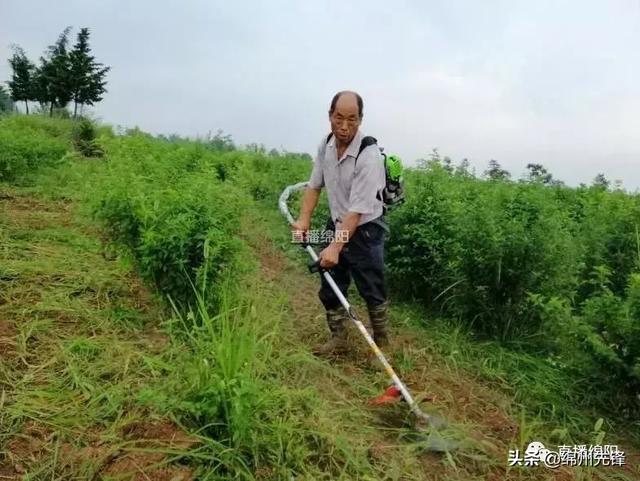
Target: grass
x,y
100,378
68,368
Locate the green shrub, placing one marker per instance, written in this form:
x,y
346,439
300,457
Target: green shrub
x,y
477,249
549,268
601,345
30,142
84,138
609,234
165,204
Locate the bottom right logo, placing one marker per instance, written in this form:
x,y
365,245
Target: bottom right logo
x,y
537,454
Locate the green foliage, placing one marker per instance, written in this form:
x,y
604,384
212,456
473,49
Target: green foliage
x,y
164,203
220,141
20,85
607,230
476,249
54,75
496,172
63,75
87,76
84,138
549,268
538,173
530,261
216,384
27,143
601,343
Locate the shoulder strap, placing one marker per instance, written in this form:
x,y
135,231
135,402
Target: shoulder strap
x,y
324,147
366,142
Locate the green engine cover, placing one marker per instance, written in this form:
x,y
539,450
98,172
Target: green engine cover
x,y
394,167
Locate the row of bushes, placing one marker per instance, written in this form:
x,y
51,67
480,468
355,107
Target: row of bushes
x,y
549,268
177,207
165,203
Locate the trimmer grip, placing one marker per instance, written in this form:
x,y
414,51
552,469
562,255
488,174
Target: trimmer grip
x,y
314,266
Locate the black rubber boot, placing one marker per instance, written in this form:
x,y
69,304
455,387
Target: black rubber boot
x,y
378,316
337,344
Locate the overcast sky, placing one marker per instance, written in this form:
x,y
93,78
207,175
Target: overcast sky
x,y
554,82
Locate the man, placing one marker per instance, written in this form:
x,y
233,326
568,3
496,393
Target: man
x,y
354,189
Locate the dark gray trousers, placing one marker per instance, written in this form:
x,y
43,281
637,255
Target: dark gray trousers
x,y
362,258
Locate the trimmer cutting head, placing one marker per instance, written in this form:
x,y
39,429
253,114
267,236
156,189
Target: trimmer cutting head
x,y
425,427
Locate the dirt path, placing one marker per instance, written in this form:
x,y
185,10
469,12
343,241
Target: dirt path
x,y
479,414
75,328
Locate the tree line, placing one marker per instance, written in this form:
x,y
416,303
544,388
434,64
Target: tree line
x,y
64,75
535,173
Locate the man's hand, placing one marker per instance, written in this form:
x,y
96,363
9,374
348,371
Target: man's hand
x,y
330,255
301,225
309,202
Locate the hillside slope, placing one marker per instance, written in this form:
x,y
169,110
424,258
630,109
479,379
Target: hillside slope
x,y
79,333
104,376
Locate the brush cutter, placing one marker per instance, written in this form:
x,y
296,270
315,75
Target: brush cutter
x,y
398,390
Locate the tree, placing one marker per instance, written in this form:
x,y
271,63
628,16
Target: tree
x,y
463,169
40,86
87,76
21,78
435,160
54,75
537,173
496,172
6,104
220,141
61,76
601,182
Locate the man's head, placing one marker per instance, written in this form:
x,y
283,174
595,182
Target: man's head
x,y
345,115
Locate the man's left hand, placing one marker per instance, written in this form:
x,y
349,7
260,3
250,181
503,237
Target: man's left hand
x,y
329,256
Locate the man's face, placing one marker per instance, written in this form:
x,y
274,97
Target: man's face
x,y
345,119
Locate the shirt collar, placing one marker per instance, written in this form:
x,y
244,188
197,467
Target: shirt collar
x,y
354,146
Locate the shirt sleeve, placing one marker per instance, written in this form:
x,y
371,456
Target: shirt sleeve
x,y
368,181
316,181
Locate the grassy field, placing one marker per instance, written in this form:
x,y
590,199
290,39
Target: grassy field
x,y
116,366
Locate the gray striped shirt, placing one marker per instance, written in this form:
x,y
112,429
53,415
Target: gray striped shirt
x,y
351,186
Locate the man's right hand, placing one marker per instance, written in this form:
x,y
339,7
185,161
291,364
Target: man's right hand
x,y
301,225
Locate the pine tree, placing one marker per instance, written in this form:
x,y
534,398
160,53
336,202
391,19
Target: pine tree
x,y
88,76
81,63
496,172
538,173
21,79
601,182
54,82
39,85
